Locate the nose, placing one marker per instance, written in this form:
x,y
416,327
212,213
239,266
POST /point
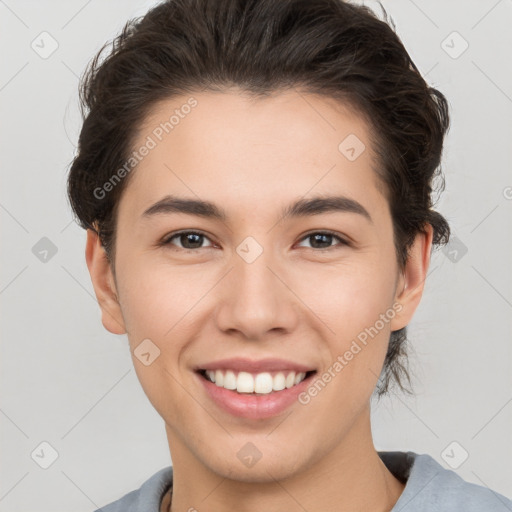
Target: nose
x,y
256,299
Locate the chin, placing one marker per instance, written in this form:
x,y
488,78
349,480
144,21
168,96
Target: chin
x,y
267,469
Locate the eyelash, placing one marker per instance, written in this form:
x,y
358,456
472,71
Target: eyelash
x,y
167,240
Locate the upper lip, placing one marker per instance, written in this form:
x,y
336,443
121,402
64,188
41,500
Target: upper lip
x,y
255,366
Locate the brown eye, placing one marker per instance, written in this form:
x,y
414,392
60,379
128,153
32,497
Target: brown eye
x,y
187,240
324,239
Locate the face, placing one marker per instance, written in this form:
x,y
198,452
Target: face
x,y
251,292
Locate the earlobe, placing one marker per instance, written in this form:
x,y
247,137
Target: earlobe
x,y
412,280
104,284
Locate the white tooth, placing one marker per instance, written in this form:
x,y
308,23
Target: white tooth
x,y
263,383
299,377
290,380
211,375
229,380
219,378
279,382
245,383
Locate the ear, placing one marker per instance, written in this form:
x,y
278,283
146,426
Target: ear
x,y
412,280
104,284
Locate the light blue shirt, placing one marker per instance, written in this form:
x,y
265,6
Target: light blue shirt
x,y
428,488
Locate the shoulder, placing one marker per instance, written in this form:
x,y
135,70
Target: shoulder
x,y
431,487
145,499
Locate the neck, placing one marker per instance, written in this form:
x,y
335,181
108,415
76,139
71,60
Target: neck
x,y
350,477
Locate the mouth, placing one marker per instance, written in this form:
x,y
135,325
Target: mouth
x,y
261,383
253,389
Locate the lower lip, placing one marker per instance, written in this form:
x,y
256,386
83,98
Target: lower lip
x,y
252,406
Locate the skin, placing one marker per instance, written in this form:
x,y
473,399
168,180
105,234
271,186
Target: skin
x,y
295,301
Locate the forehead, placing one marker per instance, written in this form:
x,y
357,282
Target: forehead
x,y
252,152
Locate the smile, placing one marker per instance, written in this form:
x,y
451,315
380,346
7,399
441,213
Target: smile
x,y
259,383
255,389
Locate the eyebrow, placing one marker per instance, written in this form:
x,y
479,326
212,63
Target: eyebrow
x,y
301,208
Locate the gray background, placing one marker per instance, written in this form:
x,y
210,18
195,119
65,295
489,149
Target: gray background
x,y
68,382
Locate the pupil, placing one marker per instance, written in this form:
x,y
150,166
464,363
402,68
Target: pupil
x,y
320,236
190,236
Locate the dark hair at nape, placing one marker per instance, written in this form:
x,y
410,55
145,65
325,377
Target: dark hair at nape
x,y
328,47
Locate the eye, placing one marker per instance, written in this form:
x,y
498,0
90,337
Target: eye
x,y
323,239
188,240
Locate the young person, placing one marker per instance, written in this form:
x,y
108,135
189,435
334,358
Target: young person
x,y
255,178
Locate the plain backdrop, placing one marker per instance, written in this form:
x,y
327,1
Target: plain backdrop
x,y
69,395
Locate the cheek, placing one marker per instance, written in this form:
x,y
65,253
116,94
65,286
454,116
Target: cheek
x,y
355,354
355,302
158,305
158,300
348,296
